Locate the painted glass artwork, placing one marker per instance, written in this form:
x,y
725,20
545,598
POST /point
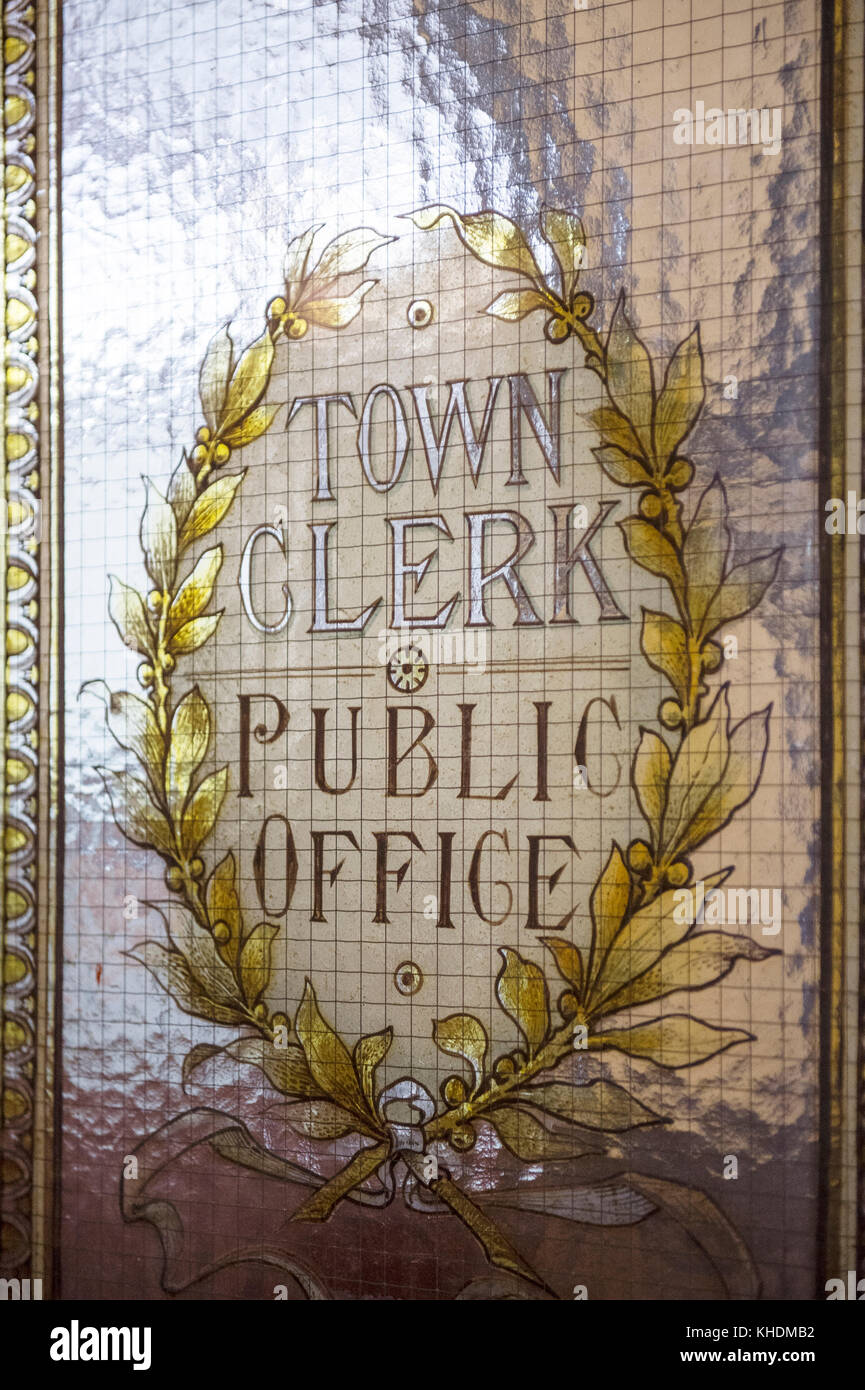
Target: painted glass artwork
x,y
432,623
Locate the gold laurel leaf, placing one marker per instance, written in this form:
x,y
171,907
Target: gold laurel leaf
x,y
369,1053
209,508
681,398
565,233
136,813
748,743
252,427
328,1057
651,773
171,972
676,1041
194,634
320,1119
188,738
492,238
615,429
599,1105
461,1035
705,549
522,992
700,960
346,255
608,905
623,468
127,612
286,1068
196,590
159,538
203,808
645,937
337,313
297,261
530,1140
255,962
133,724
697,769
664,644
181,491
513,305
248,382
214,376
198,948
630,380
743,588
223,904
569,961
653,552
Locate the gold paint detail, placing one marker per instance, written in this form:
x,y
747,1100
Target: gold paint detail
x,y
17,771
16,446
14,969
17,577
14,840
13,49
16,903
16,178
16,378
19,588
17,705
14,1035
18,315
11,1172
15,1104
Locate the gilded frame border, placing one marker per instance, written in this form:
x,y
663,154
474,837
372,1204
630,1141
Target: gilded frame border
x,y
30,597
841,1222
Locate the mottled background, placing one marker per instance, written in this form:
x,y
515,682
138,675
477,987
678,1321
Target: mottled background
x,y
196,139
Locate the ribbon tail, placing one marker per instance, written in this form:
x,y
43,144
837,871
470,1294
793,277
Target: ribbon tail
x,y
238,1146
319,1205
708,1227
229,1137
496,1246
605,1202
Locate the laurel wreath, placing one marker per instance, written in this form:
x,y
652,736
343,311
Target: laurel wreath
x,y
689,780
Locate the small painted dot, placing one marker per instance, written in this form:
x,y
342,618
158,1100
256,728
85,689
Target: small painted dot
x,y
408,977
419,313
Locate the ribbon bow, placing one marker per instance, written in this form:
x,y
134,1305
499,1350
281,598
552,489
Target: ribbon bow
x,y
619,1199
